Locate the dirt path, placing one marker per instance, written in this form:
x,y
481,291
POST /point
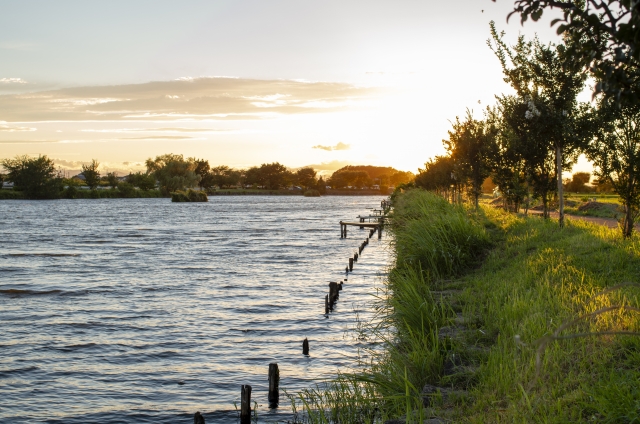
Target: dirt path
x,y
607,222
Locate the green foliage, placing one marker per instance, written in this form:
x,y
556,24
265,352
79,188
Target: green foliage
x,y
312,193
469,145
437,174
36,177
11,195
578,183
271,176
142,180
126,189
189,196
112,179
173,172
305,177
615,153
91,174
603,35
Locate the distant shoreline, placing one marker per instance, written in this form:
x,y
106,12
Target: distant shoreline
x,y
17,195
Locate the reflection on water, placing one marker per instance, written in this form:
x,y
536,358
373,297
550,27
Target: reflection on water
x,y
140,310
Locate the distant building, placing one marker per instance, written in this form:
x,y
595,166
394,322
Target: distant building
x,y
7,184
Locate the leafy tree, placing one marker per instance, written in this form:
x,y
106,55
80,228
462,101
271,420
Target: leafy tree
x,y
548,79
203,169
615,153
141,180
173,172
273,175
321,185
306,177
223,176
605,38
578,183
437,175
91,174
469,144
36,177
112,179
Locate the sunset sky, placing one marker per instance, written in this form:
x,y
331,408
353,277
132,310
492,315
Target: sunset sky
x,y
246,82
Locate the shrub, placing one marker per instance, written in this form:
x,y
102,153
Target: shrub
x,y
189,196
312,193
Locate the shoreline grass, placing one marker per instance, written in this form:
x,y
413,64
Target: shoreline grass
x,y
471,300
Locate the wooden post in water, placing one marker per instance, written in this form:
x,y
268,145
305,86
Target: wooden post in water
x,y
346,270
274,385
305,346
379,231
245,404
351,264
198,418
326,304
340,286
362,220
341,230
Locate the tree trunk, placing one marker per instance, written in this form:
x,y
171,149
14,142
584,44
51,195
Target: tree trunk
x,y
560,193
627,224
545,205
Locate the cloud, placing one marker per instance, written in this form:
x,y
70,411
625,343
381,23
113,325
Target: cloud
x,y
334,165
159,137
184,99
9,128
12,81
339,146
155,130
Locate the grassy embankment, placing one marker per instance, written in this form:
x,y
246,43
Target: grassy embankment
x,y
474,300
88,194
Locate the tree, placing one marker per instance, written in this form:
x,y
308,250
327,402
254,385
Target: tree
x,y
437,176
112,179
469,145
141,180
615,153
549,79
605,38
273,175
36,177
91,174
306,177
204,171
321,186
578,183
173,172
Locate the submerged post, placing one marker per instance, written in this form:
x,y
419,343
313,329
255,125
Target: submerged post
x,y
305,346
326,304
351,264
198,418
245,404
274,383
379,231
341,230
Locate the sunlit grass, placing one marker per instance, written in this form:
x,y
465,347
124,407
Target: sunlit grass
x,y
477,323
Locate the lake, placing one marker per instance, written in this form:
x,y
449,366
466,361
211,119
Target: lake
x,y
144,311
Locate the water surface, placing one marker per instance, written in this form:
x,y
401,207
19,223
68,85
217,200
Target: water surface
x,y
144,311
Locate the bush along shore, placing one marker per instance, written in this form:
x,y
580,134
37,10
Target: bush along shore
x,y
189,196
493,317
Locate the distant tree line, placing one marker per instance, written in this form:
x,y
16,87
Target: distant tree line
x,y
526,140
38,178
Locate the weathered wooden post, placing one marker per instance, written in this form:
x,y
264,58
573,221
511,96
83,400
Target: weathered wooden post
x,y
345,230
351,264
346,270
341,230
245,404
274,385
305,346
340,286
198,418
326,304
379,231
362,220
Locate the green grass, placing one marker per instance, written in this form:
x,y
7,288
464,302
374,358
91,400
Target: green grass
x,y
487,307
11,194
538,278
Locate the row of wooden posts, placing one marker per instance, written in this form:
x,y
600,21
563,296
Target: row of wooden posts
x,y
329,301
